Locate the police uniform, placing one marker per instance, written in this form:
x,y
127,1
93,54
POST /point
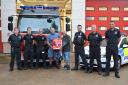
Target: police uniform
x,y
41,49
15,42
79,39
112,37
94,49
28,53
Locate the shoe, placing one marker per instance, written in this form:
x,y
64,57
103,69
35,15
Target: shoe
x,y
74,69
117,76
31,67
50,65
19,68
58,66
86,71
106,74
11,69
90,71
99,72
25,68
68,67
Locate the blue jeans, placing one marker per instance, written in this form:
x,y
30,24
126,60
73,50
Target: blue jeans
x,y
66,56
54,54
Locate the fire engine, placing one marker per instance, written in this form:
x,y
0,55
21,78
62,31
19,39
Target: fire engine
x,y
37,17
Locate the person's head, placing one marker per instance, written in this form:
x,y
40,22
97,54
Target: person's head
x,y
52,30
112,24
29,30
93,28
64,33
40,31
16,31
79,28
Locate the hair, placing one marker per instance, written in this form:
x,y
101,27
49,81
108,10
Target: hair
x,y
79,25
28,28
51,28
112,22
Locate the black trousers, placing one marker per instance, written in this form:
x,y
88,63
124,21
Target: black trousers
x,y
28,54
112,50
15,53
79,51
94,53
40,54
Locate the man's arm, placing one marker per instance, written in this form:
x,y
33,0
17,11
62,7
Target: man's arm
x,y
119,36
9,39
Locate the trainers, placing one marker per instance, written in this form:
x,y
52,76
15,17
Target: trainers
x,y
90,71
19,69
75,68
11,69
106,74
117,76
99,72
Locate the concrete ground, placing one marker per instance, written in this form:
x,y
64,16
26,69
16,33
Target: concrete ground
x,y
57,77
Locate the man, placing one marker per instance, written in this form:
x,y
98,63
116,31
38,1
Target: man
x,y
28,41
94,39
66,49
79,41
112,36
41,48
15,42
51,52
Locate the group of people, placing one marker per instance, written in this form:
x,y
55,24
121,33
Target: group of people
x,y
45,49
112,37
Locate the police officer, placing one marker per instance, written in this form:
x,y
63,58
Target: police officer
x,y
28,41
15,42
79,40
94,39
112,36
41,48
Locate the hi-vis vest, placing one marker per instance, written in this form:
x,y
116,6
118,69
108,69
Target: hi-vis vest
x,y
56,44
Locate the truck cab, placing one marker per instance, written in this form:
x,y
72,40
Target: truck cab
x,y
37,17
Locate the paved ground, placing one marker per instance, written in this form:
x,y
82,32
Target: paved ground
x,y
58,77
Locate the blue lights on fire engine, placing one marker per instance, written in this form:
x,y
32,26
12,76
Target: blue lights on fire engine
x,y
40,7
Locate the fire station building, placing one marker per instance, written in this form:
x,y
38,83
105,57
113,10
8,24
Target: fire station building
x,y
84,12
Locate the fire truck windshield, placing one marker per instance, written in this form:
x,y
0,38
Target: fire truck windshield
x,y
38,21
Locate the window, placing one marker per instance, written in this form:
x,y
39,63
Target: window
x,y
89,28
102,8
125,18
115,18
124,41
102,28
115,9
102,18
90,18
126,9
125,28
90,8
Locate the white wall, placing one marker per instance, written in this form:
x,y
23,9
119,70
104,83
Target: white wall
x,y
8,8
78,15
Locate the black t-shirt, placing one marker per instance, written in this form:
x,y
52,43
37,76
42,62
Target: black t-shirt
x,y
79,38
15,41
112,36
94,39
40,40
28,40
